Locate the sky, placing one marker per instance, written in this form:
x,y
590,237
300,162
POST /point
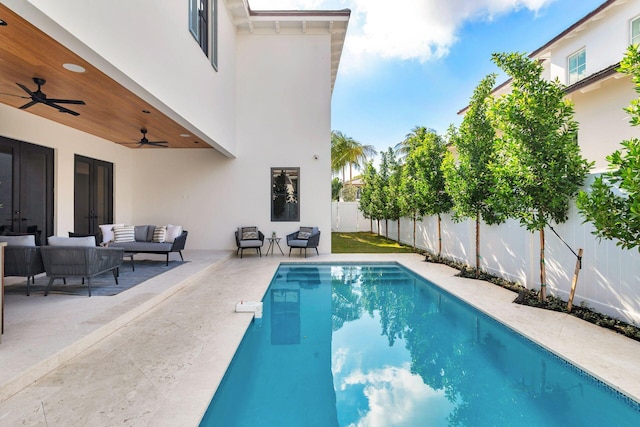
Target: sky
x,y
409,63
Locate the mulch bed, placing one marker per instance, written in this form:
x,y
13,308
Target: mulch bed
x,y
530,297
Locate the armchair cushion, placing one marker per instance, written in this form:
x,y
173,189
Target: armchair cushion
x,y
72,241
25,240
304,233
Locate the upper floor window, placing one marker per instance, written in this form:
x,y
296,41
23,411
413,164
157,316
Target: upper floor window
x,y
577,66
635,31
203,25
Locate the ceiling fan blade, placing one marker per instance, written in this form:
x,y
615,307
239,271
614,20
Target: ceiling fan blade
x,y
28,104
64,101
62,109
155,143
17,96
26,89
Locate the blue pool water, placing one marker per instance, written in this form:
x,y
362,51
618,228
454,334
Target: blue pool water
x,y
377,345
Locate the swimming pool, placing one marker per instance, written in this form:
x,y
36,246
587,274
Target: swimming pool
x,y
375,344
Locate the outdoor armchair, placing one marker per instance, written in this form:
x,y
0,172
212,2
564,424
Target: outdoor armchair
x,y
249,237
304,238
62,262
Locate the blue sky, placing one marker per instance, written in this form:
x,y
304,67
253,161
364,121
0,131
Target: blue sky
x,y
416,63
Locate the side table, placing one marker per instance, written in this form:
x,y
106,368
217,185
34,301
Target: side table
x,y
274,241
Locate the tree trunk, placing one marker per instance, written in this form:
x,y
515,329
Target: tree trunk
x,y
350,174
371,224
386,228
543,272
398,230
414,231
478,245
439,236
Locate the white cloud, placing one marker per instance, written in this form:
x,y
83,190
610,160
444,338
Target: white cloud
x,y
398,398
409,29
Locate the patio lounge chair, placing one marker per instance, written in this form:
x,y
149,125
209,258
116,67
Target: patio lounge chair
x,y
62,262
22,258
306,237
249,237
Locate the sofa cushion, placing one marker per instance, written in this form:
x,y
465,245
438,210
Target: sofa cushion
x,y
107,232
173,231
125,233
72,241
248,233
141,233
159,234
142,246
26,240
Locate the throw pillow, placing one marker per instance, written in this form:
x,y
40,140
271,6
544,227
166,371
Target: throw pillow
x,y
124,233
107,232
305,233
173,231
160,234
249,233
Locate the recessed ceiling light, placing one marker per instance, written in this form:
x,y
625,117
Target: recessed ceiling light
x,y
185,135
146,111
74,67
3,23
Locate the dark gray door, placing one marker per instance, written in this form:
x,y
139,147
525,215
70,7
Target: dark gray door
x,y
26,188
93,198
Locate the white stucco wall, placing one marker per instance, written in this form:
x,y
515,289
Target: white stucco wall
x,y
161,55
603,123
606,41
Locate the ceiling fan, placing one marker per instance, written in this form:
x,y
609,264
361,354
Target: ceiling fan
x,y
145,141
38,97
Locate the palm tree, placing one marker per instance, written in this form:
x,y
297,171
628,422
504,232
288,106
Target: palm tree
x,y
411,141
347,151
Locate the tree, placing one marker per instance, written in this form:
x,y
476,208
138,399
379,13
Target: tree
x,y
426,179
539,167
367,202
613,202
411,141
380,195
468,175
346,151
336,186
393,209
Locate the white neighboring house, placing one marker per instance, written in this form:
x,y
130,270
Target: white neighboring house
x,y
265,104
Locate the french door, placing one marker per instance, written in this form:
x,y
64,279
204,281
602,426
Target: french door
x,y
93,197
26,188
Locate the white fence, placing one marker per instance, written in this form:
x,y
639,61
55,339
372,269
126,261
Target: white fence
x,y
608,282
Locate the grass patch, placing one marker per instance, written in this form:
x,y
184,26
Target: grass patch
x,y
365,243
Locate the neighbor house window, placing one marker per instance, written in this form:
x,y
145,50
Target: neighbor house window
x,y
635,31
577,66
285,196
203,25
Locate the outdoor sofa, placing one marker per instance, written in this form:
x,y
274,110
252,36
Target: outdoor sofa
x,y
147,239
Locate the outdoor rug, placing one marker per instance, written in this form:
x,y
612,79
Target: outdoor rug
x,y
102,285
